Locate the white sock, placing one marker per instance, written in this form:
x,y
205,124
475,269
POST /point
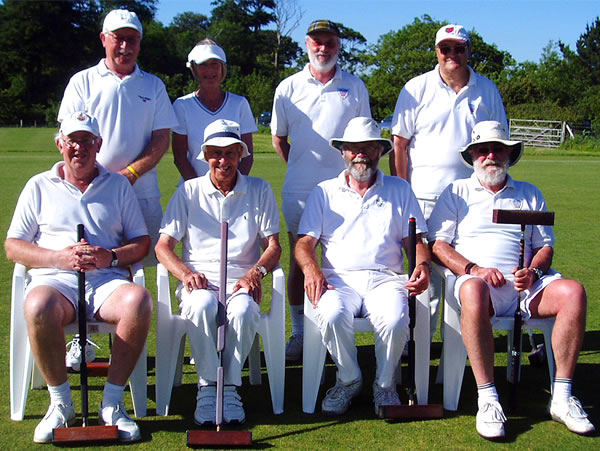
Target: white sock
x,y
561,389
60,394
113,394
297,315
486,393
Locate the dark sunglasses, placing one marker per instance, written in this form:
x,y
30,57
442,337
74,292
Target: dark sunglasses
x,y
458,49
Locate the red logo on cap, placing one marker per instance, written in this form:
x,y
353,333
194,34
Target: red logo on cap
x,y
81,117
449,29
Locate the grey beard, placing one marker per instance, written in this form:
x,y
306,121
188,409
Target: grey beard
x,y
494,178
361,175
314,60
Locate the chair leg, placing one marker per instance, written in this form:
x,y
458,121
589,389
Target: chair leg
x,y
455,357
254,362
313,361
138,385
422,347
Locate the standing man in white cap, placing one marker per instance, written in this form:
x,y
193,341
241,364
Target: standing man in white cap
x,y
434,116
310,108
133,110
361,218
485,257
46,241
208,64
194,217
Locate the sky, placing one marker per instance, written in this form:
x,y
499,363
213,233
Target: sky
x,y
521,27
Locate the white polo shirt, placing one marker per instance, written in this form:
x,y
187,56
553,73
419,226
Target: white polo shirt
x,y
193,118
463,215
49,209
194,218
128,110
310,114
361,233
438,121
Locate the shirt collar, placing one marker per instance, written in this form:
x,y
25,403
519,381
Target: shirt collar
x,y
241,186
103,70
476,184
341,178
309,76
54,175
472,79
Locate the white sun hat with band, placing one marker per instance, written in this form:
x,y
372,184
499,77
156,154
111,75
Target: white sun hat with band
x,y
223,133
491,132
362,129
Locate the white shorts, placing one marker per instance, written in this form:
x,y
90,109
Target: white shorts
x,y
98,287
292,207
152,211
504,299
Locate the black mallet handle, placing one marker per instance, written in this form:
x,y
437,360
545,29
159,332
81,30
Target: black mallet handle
x,y
82,317
412,301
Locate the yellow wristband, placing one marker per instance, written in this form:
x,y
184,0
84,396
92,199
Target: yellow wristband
x,y
133,171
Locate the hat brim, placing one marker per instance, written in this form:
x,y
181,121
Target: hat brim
x,y
223,142
387,144
515,153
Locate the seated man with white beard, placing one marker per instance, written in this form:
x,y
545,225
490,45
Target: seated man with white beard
x,y
485,258
361,220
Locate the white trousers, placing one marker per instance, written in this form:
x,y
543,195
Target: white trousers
x,y
377,296
243,315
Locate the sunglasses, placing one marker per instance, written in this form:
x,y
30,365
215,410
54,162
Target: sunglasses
x,y
458,49
498,149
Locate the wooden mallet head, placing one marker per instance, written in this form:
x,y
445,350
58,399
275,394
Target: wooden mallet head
x,y
523,217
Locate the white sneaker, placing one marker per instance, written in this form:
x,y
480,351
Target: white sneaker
x,y
572,415
384,397
73,356
293,349
117,415
490,420
233,409
57,416
206,405
339,397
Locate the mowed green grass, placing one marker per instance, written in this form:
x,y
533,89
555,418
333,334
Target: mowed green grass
x,y
572,190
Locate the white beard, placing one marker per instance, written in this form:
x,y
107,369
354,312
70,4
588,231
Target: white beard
x,y
493,177
357,171
322,67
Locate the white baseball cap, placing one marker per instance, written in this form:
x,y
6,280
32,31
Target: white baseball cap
x,y
491,132
452,32
80,121
121,18
204,52
362,129
223,133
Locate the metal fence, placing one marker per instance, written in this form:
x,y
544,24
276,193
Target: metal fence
x,y
538,133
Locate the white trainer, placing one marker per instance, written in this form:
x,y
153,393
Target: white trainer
x,y
206,405
490,420
572,415
57,416
233,409
339,397
73,356
117,415
293,349
384,397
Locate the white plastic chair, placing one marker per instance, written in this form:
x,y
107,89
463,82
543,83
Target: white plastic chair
x,y
314,352
170,341
454,354
23,371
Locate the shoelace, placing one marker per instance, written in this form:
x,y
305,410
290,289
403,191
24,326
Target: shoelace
x,y
576,409
386,397
75,341
496,414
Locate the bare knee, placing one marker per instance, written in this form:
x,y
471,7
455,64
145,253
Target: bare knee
x,y
44,306
475,299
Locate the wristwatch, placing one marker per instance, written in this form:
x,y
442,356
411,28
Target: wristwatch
x,y
115,260
262,270
537,271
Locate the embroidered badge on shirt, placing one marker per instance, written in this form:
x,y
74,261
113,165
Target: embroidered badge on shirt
x,y
144,99
343,93
517,203
379,202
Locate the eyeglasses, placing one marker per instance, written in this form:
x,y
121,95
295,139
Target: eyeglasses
x,y
130,40
486,150
80,142
371,150
217,154
447,49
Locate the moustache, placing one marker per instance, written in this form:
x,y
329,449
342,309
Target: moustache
x,y
361,160
125,52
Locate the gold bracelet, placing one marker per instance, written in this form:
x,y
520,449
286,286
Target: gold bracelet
x,y
133,171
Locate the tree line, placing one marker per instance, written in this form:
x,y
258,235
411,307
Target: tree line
x,y
43,43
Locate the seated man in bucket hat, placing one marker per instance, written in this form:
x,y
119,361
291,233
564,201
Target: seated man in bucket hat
x,y
361,220
485,258
194,217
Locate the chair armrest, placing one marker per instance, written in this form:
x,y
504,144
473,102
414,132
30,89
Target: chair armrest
x,y
163,293
139,278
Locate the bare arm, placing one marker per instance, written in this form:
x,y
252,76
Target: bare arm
x,y
542,259
269,259
180,149
315,282
399,157
419,279
81,256
282,147
166,255
246,163
150,156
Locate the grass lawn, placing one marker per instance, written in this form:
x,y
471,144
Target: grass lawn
x,y
570,189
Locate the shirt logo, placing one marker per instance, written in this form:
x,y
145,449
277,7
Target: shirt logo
x,y
343,93
379,202
145,99
517,204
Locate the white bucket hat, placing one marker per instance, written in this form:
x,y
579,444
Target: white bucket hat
x,y
205,52
222,133
452,32
491,132
121,18
80,122
362,129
